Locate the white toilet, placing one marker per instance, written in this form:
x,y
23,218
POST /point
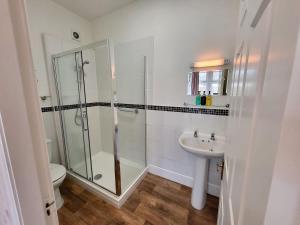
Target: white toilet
x,y
58,174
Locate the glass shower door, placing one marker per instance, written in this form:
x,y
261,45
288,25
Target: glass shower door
x,y
131,113
71,97
98,83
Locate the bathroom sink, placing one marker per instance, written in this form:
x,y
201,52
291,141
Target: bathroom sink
x,y
203,147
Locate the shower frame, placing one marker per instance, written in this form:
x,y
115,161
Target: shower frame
x,y
117,168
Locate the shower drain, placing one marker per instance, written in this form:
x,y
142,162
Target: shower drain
x,y
98,176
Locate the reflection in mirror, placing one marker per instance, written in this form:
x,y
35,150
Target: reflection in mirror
x,y
214,81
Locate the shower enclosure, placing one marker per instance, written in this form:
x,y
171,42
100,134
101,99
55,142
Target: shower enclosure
x,y
101,104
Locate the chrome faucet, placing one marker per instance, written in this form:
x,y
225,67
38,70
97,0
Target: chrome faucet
x,y
212,137
195,133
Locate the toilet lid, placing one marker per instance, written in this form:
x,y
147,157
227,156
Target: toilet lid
x,y
57,171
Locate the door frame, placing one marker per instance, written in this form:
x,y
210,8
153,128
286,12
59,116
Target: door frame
x,y
22,117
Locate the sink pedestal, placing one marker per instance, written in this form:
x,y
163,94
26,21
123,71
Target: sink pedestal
x,y
199,191
203,148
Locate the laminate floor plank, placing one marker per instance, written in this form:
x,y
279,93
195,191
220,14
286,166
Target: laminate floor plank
x,y
181,198
66,217
156,201
171,211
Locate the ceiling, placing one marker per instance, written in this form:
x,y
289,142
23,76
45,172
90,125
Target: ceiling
x,y
91,9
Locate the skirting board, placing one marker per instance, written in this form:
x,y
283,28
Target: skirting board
x,y
182,179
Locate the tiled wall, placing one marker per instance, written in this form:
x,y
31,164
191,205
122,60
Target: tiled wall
x,y
163,131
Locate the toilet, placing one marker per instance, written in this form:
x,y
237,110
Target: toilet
x,y
58,174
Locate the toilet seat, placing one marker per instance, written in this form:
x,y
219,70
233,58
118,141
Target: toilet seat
x,y
57,172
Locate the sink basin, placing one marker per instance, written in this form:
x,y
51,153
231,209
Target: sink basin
x,y
203,148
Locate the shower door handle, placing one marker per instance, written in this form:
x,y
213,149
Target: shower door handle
x,y
84,120
85,124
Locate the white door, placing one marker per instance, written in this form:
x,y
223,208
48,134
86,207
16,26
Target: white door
x,y
247,82
9,207
22,122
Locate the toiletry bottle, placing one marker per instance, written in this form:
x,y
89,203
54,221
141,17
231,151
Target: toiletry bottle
x,y
203,99
208,99
198,98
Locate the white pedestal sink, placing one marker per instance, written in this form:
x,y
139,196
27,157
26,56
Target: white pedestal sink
x,y
203,148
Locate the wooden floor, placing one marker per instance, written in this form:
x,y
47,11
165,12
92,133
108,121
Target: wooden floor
x,y
156,201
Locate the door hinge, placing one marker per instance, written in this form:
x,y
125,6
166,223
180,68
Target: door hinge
x,y
47,206
220,168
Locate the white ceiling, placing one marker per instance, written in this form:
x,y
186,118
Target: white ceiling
x,y
91,9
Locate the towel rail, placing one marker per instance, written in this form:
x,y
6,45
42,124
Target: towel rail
x,y
136,111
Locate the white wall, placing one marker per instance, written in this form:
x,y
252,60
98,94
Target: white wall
x,y
45,16
184,32
48,17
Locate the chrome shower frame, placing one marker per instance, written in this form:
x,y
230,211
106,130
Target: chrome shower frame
x,y
75,51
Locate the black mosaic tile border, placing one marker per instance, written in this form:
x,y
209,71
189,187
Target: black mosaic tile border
x,y
47,109
218,112
67,107
74,106
131,106
107,104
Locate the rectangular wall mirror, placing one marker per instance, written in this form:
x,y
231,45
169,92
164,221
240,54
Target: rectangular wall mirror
x,y
211,80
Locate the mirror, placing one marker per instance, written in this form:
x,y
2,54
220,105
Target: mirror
x,y
214,80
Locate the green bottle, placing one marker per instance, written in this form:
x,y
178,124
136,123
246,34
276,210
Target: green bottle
x,y
198,98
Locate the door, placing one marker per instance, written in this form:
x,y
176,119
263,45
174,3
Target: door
x,y
70,84
248,77
101,117
22,122
9,207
